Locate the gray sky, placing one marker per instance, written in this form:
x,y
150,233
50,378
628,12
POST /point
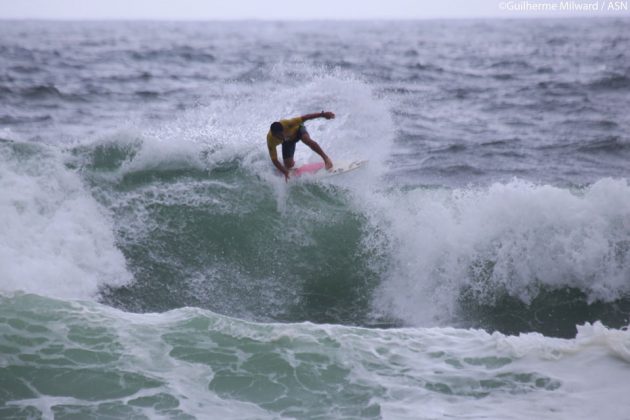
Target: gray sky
x,y
301,9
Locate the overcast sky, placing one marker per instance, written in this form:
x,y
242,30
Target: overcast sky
x,y
295,9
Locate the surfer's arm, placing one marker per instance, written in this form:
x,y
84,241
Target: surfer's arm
x,y
281,168
273,154
274,159
328,115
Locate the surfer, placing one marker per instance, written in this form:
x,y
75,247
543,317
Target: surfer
x,y
288,133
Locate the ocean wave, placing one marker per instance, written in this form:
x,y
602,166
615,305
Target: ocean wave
x,y
28,69
10,119
171,210
4,90
181,206
611,82
184,53
517,65
605,145
41,92
513,239
203,239
611,144
136,76
192,362
55,239
454,169
502,143
418,66
201,219
475,251
558,87
147,94
195,208
599,123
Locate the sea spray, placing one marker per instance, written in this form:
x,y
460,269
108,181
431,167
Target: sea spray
x,y
55,239
514,238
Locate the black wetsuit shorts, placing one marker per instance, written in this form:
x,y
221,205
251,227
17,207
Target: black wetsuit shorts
x,y
288,147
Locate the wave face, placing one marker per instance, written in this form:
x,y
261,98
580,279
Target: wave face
x,y
229,237
153,264
207,224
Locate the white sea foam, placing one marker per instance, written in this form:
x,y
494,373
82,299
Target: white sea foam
x,y
512,237
235,125
55,240
277,369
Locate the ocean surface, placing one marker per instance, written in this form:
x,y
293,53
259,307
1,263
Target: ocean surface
x,y
153,265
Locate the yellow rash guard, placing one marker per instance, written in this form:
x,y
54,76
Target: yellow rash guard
x,y
291,128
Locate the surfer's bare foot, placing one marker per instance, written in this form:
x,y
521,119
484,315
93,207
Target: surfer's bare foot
x,y
328,164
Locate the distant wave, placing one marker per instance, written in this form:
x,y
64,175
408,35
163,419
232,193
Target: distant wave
x,y
9,119
612,82
612,144
184,53
41,92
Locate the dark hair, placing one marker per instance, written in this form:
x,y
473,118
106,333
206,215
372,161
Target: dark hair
x,y
276,128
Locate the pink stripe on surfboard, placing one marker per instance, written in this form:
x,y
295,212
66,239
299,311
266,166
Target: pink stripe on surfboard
x,y
309,168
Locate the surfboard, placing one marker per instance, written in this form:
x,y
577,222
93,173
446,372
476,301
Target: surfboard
x,y
318,168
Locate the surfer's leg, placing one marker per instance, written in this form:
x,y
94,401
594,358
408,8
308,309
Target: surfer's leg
x,y
288,150
306,139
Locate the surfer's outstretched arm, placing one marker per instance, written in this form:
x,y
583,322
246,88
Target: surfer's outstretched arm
x,y
328,115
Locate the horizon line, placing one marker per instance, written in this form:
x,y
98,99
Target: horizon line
x,y
348,19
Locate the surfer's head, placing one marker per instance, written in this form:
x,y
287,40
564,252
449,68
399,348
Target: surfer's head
x,y
277,129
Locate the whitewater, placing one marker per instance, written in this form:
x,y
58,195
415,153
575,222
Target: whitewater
x,y
153,265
